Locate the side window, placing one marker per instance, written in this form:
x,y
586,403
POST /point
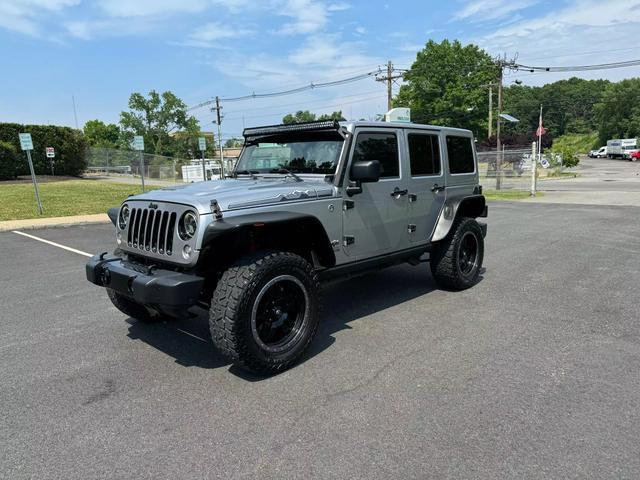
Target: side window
x,y
424,154
379,146
460,154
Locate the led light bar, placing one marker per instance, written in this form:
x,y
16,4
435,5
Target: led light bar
x,y
291,128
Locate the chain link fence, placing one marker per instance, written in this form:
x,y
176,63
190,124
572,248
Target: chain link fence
x,y
125,166
511,168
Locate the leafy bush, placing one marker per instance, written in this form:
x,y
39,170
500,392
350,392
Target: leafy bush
x,y
8,161
568,154
70,146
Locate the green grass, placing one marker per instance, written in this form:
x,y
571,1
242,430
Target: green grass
x,y
507,194
61,199
578,142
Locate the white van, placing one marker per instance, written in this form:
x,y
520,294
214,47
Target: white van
x,y
600,153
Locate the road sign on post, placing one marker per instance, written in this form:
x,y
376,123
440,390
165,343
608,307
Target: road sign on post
x,y
202,143
27,145
138,144
51,154
25,141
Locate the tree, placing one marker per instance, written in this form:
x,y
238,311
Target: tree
x,y
299,117
100,134
233,143
618,114
568,106
156,118
306,116
446,86
333,116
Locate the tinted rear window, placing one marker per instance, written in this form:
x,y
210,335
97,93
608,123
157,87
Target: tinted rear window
x,y
424,154
460,154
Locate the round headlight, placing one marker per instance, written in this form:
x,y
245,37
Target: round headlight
x,y
123,218
188,226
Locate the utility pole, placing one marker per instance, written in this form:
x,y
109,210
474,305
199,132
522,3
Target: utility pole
x,y
389,78
490,110
75,113
501,63
498,143
217,108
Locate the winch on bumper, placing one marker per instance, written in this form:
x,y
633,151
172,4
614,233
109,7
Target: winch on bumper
x,y
146,285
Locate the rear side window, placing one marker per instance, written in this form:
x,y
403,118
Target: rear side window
x,y
379,146
424,154
460,154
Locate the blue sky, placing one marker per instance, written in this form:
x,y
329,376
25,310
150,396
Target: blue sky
x,y
101,51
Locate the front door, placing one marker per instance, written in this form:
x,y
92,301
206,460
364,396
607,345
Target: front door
x,y
375,221
426,183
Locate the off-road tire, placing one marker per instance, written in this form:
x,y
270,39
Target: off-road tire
x,y
445,257
131,308
235,301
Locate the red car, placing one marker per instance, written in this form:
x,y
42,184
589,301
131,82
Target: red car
x,y
635,156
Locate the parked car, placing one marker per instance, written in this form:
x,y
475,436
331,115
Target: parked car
x,y
307,203
600,153
634,156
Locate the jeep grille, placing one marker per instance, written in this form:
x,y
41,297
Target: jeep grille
x,y
151,230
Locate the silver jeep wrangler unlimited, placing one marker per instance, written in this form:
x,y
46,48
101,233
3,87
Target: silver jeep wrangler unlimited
x,y
306,203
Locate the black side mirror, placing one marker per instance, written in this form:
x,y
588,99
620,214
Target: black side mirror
x,y
363,172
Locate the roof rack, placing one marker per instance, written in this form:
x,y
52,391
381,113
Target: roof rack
x,y
291,128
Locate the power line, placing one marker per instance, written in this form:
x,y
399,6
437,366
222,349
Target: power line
x,y
310,86
309,104
577,68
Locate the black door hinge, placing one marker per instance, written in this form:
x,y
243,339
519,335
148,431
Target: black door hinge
x,y
348,240
348,205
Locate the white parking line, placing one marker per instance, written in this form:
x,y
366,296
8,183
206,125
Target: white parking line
x,y
79,252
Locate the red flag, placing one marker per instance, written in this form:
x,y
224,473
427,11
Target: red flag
x,y
541,130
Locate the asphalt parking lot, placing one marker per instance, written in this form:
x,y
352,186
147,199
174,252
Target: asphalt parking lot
x,y
533,373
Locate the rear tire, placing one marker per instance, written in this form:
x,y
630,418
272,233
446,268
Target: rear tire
x,y
131,308
264,311
456,261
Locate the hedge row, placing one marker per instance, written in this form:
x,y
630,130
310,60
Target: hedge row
x,y
8,161
70,146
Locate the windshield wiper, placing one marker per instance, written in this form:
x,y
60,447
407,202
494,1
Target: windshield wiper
x,y
251,173
286,172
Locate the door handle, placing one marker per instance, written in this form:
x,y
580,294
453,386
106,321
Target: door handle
x,y
437,188
397,193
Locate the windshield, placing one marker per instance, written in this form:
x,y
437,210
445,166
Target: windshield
x,y
316,153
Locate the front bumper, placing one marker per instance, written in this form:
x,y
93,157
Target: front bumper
x,y
145,285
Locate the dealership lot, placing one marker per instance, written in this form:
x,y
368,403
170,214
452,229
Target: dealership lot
x,y
535,372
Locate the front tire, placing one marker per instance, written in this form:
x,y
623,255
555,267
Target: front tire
x,y
131,308
456,261
264,311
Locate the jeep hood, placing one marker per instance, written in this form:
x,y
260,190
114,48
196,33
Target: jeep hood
x,y
239,194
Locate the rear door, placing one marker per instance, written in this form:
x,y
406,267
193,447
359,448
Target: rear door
x,y
426,183
461,171
375,221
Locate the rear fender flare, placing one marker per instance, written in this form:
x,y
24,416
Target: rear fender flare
x,y
473,206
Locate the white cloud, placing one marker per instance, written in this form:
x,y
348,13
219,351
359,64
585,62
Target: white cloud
x,y
144,8
22,15
308,16
208,34
485,10
338,7
583,32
